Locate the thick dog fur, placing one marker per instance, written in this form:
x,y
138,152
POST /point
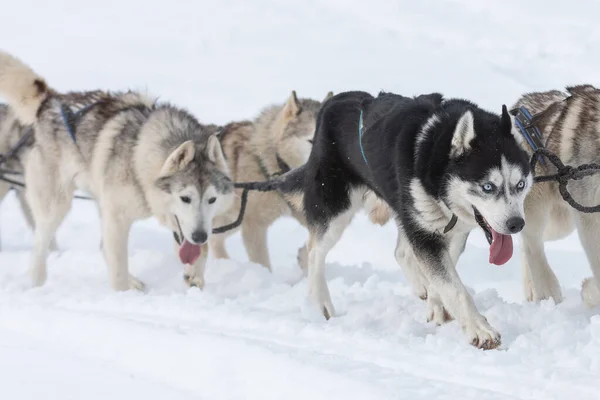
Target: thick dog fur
x,y
280,138
570,124
136,157
11,131
428,159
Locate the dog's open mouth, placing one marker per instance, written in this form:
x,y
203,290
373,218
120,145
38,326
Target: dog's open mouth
x,y
501,246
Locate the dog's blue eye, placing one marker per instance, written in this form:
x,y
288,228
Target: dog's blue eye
x,y
521,185
488,187
212,200
186,199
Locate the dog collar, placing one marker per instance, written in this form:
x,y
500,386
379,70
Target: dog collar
x,y
451,224
530,132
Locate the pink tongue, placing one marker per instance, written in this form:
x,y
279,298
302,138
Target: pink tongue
x,y
189,253
501,249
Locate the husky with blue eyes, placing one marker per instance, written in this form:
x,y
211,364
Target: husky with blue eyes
x,y
444,167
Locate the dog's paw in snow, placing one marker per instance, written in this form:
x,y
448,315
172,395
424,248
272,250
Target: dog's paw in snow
x,y
194,281
436,311
321,298
136,284
38,276
482,335
590,293
547,287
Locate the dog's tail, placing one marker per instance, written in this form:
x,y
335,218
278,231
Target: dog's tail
x,y
21,87
290,182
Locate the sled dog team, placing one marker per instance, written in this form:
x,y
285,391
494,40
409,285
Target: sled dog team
x,y
440,167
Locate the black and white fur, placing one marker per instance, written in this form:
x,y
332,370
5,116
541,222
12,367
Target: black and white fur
x,y
427,158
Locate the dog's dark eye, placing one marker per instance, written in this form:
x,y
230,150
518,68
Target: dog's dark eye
x,y
310,141
186,199
212,200
488,187
521,185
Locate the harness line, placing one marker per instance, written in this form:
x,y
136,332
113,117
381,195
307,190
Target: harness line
x,y
564,174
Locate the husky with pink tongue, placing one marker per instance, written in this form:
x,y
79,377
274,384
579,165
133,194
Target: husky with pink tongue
x,y
444,166
137,157
197,180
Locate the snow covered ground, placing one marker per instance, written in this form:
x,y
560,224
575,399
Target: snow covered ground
x,y
249,334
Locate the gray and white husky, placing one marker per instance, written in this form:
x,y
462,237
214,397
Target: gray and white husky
x,y
570,125
136,157
444,167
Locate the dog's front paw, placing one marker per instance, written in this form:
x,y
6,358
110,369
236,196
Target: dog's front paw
x,y
481,334
194,281
436,311
590,293
136,284
303,258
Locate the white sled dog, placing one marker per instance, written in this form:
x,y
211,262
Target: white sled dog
x,y
569,125
136,157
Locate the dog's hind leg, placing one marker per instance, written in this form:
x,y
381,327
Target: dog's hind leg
x,y
49,201
255,242
588,227
320,242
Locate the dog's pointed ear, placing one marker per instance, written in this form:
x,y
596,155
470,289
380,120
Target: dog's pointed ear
x,y
179,158
215,151
292,106
464,133
508,126
505,121
329,95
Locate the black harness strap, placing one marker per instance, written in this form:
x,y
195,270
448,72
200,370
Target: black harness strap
x,y
240,217
565,173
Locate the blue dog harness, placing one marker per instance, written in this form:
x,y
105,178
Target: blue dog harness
x,y
530,132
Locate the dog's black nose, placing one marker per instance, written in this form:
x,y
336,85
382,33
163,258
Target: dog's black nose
x,y
199,236
515,224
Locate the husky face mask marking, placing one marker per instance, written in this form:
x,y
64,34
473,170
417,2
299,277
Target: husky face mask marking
x,y
491,184
194,203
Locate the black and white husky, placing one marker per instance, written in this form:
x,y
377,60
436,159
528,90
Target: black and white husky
x,y
443,166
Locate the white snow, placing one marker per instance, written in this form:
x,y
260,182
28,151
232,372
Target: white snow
x,y
250,334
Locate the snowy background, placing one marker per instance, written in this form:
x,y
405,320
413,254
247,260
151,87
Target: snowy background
x,y
248,335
